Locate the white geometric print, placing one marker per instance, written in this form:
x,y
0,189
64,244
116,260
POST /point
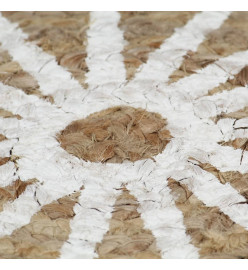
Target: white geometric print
x,y
183,104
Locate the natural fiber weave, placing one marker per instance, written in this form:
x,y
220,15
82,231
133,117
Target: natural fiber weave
x,y
125,210
127,238
115,135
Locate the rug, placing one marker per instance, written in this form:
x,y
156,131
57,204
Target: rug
x,y
123,135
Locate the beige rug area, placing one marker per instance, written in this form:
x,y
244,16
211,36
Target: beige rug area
x,y
124,135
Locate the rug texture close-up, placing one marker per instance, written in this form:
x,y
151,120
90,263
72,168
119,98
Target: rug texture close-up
x,y
124,135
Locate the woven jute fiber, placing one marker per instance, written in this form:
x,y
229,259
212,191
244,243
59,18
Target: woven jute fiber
x,y
122,135
115,135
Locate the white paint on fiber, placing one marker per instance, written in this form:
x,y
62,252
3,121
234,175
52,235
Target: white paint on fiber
x,y
163,61
225,158
211,76
57,172
18,213
92,213
5,147
159,212
53,79
232,128
212,193
241,123
104,59
224,102
7,174
195,134
9,127
41,156
36,112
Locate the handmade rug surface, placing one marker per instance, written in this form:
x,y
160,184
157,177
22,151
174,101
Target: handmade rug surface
x,y
123,135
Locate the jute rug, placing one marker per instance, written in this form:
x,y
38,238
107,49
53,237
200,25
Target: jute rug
x,y
123,135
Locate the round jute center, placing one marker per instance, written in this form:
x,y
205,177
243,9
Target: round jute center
x,y
115,135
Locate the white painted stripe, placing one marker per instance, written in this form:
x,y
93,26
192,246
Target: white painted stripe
x,y
92,217
162,62
15,100
57,172
159,213
226,101
241,123
41,156
95,208
104,58
212,193
7,174
190,87
207,78
6,146
232,128
17,213
105,62
53,79
226,158
97,200
36,112
9,127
